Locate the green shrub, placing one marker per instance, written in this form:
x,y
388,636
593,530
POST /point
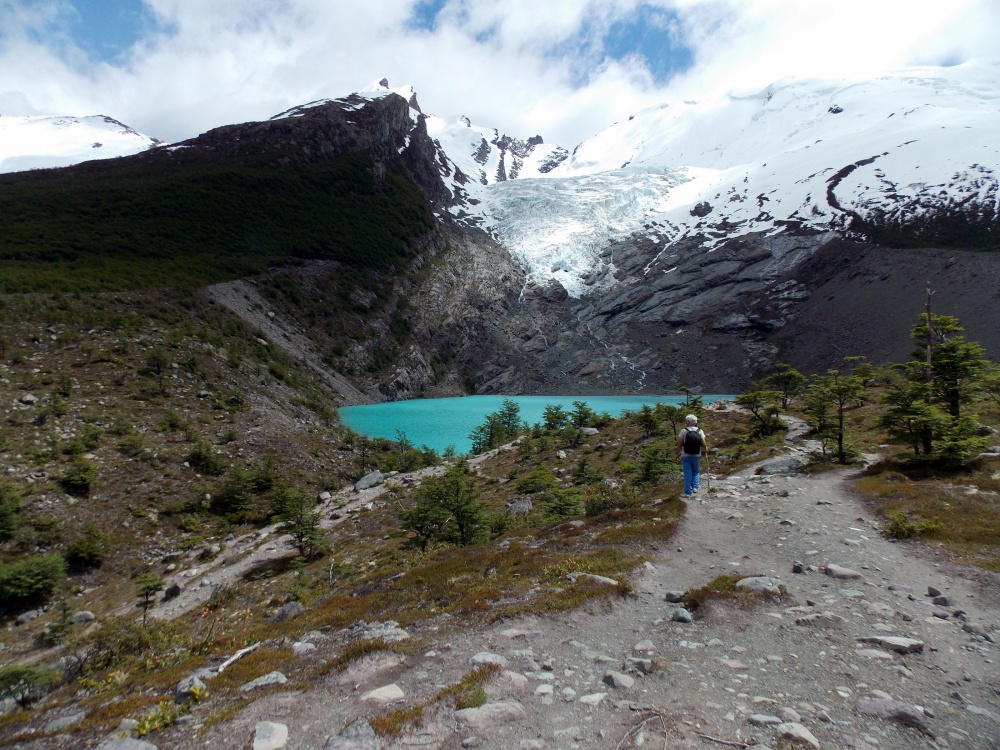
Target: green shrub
x,y
88,549
26,683
79,476
900,526
120,641
30,581
204,460
10,510
609,496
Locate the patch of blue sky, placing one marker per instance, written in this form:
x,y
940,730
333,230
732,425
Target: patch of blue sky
x,y
649,34
105,29
425,14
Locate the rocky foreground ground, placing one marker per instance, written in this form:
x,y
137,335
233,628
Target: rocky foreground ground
x,y
875,644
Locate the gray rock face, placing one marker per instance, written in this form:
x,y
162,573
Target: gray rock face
x,y
269,735
126,744
892,710
357,736
65,722
369,480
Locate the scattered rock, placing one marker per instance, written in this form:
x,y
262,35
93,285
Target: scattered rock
x,y
822,620
65,722
618,681
674,597
931,591
681,615
384,695
271,678
797,735
892,710
897,644
486,657
369,480
761,585
288,611
126,743
592,699
357,736
491,714
191,686
942,601
269,735
82,617
798,567
763,720
837,571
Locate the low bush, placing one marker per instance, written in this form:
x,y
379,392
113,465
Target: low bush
x,y
30,581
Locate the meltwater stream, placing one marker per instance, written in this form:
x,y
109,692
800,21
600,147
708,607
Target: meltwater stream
x,y
442,422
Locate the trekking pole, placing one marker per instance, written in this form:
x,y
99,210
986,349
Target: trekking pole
x,y
708,465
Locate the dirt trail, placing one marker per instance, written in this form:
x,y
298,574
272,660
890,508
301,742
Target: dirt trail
x,y
730,675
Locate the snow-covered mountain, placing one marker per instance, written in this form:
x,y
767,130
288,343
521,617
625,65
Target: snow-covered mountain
x,y
45,142
802,154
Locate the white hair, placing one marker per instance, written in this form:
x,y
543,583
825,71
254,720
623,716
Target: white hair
x,y
691,419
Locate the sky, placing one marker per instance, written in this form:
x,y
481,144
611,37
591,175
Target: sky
x,y
562,69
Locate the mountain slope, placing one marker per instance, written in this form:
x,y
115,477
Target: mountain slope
x,y
46,142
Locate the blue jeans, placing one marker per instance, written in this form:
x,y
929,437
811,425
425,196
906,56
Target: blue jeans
x,y
692,473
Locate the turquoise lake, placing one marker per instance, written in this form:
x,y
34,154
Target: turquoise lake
x,y
440,422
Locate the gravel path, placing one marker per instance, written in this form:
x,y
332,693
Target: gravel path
x,y
733,678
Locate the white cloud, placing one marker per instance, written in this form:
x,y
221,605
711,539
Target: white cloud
x,y
524,66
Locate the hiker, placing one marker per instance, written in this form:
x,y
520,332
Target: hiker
x,y
691,445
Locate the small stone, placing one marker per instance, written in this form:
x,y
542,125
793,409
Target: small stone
x,y
942,601
357,736
269,735
838,571
65,722
797,734
491,714
592,699
191,687
384,695
761,585
288,611
618,681
271,678
644,647
681,615
82,617
789,715
932,592
891,710
821,620
798,567
642,666
301,647
897,644
484,658
763,720
674,597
